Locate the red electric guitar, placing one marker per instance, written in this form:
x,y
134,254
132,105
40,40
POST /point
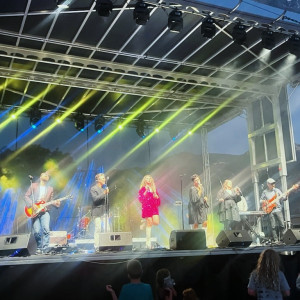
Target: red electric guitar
x,y
270,204
41,206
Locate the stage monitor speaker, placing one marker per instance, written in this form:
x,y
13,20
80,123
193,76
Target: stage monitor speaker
x,y
116,241
188,239
233,238
291,237
17,245
58,238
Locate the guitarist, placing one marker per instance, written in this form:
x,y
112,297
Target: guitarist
x,y
275,215
37,192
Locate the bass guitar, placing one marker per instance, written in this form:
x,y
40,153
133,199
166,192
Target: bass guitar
x,y
33,211
270,204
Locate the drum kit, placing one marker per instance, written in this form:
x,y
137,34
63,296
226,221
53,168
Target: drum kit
x,y
84,223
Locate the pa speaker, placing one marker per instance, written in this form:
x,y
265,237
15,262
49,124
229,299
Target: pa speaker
x,y
188,239
117,241
291,236
17,245
233,238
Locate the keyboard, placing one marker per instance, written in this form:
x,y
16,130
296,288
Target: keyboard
x,y
252,213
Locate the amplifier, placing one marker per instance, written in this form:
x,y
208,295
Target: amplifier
x,y
17,245
188,239
115,241
58,238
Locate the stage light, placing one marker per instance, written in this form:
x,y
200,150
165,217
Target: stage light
x,y
99,124
141,13
175,21
173,132
104,7
13,114
208,28
268,39
79,122
34,117
156,129
239,33
140,128
63,3
294,44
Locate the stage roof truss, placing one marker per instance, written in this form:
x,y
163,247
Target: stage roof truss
x,y
126,63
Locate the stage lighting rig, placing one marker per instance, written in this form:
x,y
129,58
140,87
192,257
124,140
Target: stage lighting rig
x,y
104,7
239,33
63,3
79,122
140,128
34,117
268,39
141,13
293,44
175,21
99,124
208,28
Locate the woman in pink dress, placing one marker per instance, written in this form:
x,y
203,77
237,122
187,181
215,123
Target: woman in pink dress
x,y
149,198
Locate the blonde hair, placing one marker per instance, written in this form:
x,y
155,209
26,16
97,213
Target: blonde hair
x,y
152,184
267,269
225,184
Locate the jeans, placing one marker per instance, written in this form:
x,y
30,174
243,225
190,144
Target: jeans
x,y
101,225
276,218
41,230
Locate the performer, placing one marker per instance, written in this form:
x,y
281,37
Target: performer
x,y
150,200
228,209
99,192
37,192
276,215
197,206
267,281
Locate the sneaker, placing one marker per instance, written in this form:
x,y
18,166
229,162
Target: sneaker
x,y
38,252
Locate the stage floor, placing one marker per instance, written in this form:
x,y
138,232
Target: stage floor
x,y
69,254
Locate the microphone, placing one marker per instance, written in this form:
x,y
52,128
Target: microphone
x,y
107,178
30,177
181,175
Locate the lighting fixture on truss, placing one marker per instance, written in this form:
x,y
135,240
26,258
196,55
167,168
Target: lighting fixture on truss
x,y
141,13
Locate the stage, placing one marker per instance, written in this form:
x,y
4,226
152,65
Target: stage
x,y
67,272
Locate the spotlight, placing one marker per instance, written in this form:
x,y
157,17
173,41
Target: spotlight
x,y
239,34
141,13
63,3
140,128
268,39
175,21
104,7
35,117
173,132
99,124
13,114
79,122
293,44
208,28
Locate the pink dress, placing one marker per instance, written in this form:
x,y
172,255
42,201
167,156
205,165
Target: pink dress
x,y
149,203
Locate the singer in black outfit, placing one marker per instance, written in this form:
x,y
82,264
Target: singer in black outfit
x,y
198,204
99,193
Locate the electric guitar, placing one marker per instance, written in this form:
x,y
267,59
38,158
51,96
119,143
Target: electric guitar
x,y
32,212
270,204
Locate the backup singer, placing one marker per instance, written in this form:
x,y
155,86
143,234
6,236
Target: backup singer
x,y
197,204
150,200
228,209
37,192
99,192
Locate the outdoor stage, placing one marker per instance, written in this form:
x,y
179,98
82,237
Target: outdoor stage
x,y
216,273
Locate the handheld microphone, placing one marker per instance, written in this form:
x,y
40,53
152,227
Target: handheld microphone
x,y
30,177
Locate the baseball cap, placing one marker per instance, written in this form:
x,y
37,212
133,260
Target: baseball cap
x,y
270,180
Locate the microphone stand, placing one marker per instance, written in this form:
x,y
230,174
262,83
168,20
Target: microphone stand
x,y
182,221
106,208
32,203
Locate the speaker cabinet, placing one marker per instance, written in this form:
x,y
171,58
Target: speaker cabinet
x,y
233,238
188,239
291,236
116,241
17,245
